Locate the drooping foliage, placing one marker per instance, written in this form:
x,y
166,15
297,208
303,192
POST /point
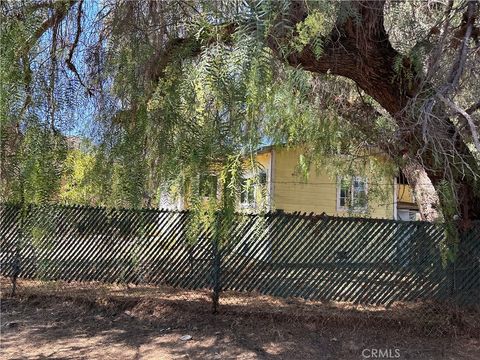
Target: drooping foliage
x,y
169,92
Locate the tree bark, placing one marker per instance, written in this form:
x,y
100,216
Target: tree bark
x,y
425,193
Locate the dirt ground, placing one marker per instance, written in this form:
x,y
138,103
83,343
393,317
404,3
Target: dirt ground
x,y
78,321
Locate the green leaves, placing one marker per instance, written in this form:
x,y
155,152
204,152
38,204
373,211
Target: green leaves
x,y
41,159
311,31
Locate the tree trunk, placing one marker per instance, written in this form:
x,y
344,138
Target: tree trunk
x,y
425,193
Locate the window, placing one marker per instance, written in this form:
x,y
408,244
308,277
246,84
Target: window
x,y
208,185
407,215
262,178
352,194
251,190
247,194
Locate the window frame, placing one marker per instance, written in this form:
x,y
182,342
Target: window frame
x,y
246,191
349,207
255,186
207,178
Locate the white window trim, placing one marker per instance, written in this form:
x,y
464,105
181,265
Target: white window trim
x,y
395,198
249,175
248,204
346,208
271,180
412,214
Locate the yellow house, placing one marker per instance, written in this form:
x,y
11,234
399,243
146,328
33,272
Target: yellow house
x,y
321,194
284,190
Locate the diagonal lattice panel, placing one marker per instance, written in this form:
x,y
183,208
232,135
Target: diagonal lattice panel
x,y
368,261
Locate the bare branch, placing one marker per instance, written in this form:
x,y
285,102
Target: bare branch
x,y
466,116
27,79
435,56
19,12
74,45
473,108
459,64
56,18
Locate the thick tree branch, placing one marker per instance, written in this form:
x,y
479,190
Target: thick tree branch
x,y
188,47
19,12
358,50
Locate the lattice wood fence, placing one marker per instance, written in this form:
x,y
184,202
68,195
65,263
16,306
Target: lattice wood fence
x,y
288,255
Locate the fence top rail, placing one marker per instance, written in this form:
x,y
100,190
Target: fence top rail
x,y
92,207
297,214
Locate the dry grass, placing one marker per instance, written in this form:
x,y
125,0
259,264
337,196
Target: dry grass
x,y
79,320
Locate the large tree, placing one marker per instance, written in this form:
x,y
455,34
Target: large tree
x,y
193,83
417,89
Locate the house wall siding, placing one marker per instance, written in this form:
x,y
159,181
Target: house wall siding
x,y
264,160
318,194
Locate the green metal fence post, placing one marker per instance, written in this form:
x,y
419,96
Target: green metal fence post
x,y
216,277
216,265
18,243
16,269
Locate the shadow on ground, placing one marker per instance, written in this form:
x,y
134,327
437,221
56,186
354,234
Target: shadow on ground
x,y
75,322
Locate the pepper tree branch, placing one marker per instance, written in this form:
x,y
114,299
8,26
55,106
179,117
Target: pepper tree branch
x,y
466,116
459,64
61,10
73,46
473,108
